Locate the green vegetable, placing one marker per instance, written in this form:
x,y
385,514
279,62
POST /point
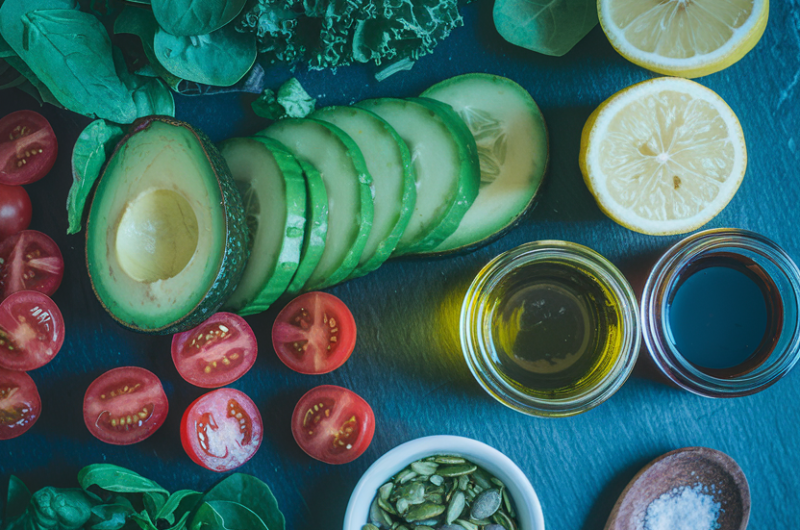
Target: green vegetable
x,y
291,101
94,145
142,23
115,498
79,71
551,27
195,17
220,58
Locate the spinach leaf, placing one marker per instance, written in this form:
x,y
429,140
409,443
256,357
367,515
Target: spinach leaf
x,y
11,12
551,27
292,100
19,497
178,505
117,479
250,492
220,58
149,95
111,516
226,515
195,17
34,86
142,23
70,52
92,148
142,519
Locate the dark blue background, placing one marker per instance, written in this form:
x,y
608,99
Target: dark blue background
x,y
407,362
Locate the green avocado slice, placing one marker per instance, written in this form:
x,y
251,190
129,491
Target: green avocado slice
x,y
166,239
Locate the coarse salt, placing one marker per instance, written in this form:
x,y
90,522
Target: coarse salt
x,y
684,508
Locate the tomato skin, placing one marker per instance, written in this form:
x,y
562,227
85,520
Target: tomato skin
x,y
28,147
314,334
31,331
333,424
30,261
15,210
217,352
221,430
125,405
20,404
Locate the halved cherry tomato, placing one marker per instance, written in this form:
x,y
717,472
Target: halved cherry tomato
x,y
15,210
217,352
125,405
20,404
314,334
30,261
221,430
333,424
28,147
31,331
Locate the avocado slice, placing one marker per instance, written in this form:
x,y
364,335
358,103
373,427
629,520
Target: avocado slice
x,y
166,241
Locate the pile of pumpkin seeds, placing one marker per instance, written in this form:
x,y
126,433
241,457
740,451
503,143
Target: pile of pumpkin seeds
x,y
442,493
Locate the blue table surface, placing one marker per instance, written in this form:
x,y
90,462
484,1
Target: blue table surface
x,y
407,363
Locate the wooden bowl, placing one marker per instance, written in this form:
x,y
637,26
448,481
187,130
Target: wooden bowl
x,y
685,467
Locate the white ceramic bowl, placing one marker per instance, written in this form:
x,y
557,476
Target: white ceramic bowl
x,y
529,511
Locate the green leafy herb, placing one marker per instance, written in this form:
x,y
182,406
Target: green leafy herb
x,y
292,100
249,491
195,17
240,502
93,147
551,27
142,23
71,53
220,58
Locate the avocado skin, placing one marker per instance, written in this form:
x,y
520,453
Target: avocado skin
x,y
235,254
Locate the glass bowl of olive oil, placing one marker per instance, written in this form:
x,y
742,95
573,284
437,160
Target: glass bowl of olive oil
x,y
550,328
721,313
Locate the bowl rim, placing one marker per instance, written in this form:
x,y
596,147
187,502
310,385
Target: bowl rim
x,y
397,458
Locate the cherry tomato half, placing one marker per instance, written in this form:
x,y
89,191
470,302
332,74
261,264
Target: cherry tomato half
x,y
30,261
31,331
217,352
221,430
15,210
314,334
28,147
125,405
20,404
333,424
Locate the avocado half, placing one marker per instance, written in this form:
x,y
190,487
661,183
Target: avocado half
x,y
166,241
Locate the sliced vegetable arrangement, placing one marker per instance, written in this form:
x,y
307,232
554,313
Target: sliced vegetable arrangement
x,y
324,198
112,497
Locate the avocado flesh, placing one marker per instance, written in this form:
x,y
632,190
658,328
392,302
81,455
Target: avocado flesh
x,y
166,242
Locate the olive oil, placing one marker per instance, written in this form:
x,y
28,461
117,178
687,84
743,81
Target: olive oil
x,y
555,328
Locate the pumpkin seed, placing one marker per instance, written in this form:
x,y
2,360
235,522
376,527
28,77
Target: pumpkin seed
x,y
386,506
436,498
402,506
463,482
424,468
498,482
449,527
457,470
401,527
480,522
428,523
507,502
378,516
456,506
369,527
424,511
493,526
444,459
504,520
424,527
482,478
438,480
486,504
466,525
386,490
408,476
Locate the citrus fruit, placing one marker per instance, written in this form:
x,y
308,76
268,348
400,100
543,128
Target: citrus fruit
x,y
663,156
687,38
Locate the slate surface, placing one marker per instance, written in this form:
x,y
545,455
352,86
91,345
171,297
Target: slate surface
x,y
407,362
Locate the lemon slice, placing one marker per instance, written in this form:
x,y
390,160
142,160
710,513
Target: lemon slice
x,y
664,156
687,38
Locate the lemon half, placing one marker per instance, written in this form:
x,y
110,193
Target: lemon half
x,y
687,38
663,156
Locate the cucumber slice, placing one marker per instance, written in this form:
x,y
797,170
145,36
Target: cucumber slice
x,y
513,149
273,191
348,184
316,227
389,162
446,162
